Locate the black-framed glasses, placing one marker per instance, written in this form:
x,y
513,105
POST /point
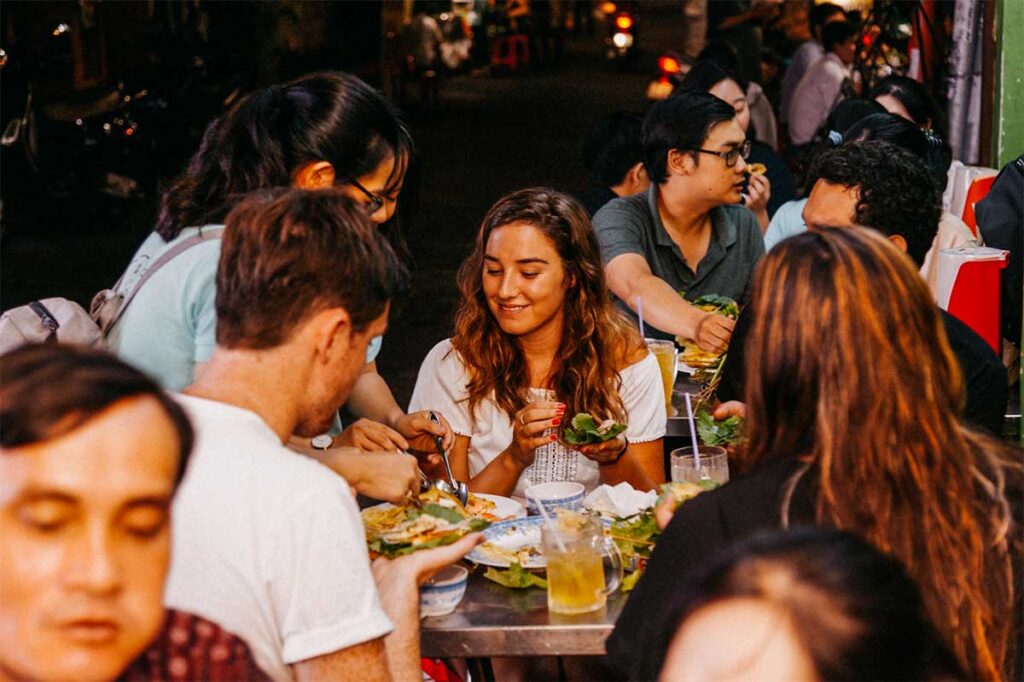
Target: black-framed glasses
x,y
730,157
376,200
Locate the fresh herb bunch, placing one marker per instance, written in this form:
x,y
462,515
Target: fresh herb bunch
x,y
584,430
718,431
635,535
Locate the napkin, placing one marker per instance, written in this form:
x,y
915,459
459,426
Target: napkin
x,y
619,500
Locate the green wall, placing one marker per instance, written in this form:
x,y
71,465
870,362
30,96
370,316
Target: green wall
x,y
1009,105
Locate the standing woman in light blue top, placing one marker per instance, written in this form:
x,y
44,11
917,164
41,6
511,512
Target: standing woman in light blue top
x,y
323,130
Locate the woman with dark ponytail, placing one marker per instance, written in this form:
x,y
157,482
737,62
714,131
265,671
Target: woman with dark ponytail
x,y
320,131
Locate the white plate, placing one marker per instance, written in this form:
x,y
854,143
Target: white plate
x,y
505,507
513,536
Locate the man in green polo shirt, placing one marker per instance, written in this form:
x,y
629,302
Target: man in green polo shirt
x,y
687,233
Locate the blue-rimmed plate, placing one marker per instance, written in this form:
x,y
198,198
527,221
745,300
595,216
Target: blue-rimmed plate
x,y
514,540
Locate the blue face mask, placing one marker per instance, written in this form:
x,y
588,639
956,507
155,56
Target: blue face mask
x,y
374,348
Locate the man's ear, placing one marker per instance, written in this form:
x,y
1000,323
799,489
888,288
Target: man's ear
x,y
679,162
637,175
899,241
315,175
332,333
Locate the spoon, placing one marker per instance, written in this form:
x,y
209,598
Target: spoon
x,y
452,487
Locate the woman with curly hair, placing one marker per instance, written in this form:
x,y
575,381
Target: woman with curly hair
x,y
537,340
851,400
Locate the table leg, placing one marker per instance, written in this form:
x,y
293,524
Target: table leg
x,y
480,669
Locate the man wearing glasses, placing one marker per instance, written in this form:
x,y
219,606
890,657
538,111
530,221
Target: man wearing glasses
x,y
688,233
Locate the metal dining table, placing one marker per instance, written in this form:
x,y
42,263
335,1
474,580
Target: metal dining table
x,y
678,423
492,620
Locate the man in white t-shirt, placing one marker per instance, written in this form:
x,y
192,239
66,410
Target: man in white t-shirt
x,y
268,543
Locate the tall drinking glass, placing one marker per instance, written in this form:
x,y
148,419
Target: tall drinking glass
x,y
665,353
576,551
714,465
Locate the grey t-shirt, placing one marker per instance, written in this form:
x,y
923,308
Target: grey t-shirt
x,y
632,225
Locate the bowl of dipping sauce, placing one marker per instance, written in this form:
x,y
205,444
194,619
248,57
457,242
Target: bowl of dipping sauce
x,y
441,594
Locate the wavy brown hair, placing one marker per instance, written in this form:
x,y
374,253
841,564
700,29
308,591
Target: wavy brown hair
x,y
596,340
852,369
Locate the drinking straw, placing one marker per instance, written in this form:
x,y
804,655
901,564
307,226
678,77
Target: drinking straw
x,y
693,432
640,314
550,521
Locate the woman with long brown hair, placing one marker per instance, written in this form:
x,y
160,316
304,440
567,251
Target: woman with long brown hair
x,y
537,340
851,400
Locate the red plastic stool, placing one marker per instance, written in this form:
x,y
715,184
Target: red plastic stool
x,y
511,52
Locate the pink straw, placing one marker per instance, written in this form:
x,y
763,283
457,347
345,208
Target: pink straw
x,y
693,433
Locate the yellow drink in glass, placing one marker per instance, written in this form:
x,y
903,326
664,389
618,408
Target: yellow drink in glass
x,y
665,353
575,548
576,581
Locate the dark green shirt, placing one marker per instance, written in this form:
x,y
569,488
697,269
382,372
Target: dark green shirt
x,y
632,225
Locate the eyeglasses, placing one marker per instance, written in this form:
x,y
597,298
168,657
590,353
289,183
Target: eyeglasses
x,y
730,156
376,200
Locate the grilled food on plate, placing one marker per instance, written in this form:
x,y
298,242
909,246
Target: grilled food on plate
x,y
431,519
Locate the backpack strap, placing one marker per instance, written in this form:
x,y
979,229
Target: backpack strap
x,y
50,322
169,255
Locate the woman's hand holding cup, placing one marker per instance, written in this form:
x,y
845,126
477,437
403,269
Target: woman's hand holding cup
x,y
528,427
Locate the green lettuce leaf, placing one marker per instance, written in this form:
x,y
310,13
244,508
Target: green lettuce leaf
x,y
717,432
515,577
441,512
630,580
584,430
635,535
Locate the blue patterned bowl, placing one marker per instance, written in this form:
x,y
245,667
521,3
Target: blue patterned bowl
x,y
555,496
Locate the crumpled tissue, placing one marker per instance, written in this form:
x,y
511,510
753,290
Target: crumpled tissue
x,y
619,500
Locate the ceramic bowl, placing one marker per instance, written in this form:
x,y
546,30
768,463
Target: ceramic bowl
x,y
555,496
441,594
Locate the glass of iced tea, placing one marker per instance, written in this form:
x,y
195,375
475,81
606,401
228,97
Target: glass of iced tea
x,y
665,353
578,554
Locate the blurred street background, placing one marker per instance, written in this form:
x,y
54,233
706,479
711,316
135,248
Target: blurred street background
x,y
104,102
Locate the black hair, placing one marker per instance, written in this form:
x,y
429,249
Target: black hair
x,y
51,389
897,193
612,147
837,32
706,74
902,133
923,109
682,122
723,54
268,135
820,14
843,115
856,612
915,98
